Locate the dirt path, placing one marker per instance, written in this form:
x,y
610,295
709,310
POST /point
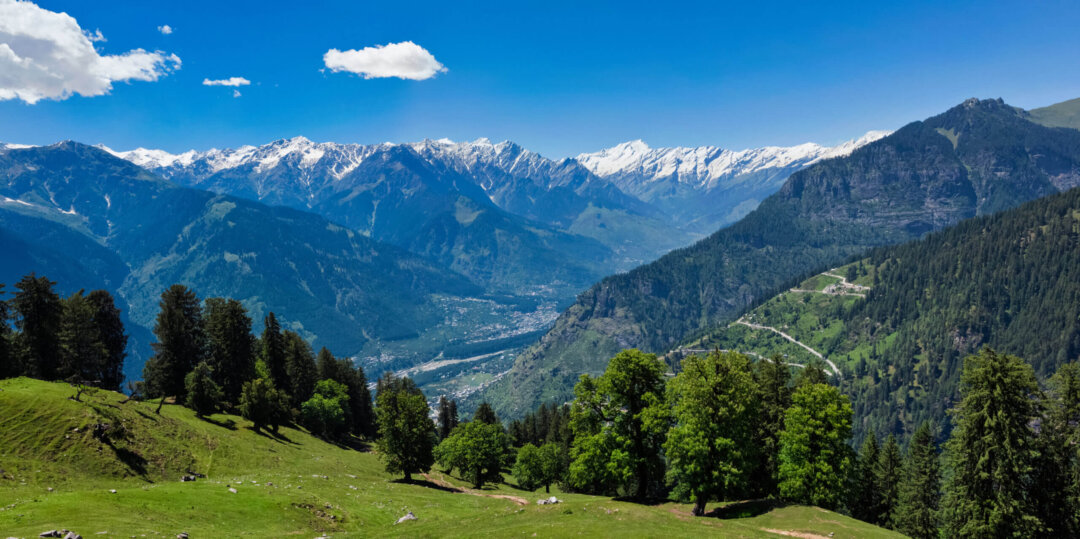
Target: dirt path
x,y
802,535
755,354
442,483
835,369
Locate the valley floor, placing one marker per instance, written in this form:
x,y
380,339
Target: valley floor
x,y
58,470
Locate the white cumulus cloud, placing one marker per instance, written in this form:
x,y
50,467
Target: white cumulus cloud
x,y
165,29
405,60
46,55
231,81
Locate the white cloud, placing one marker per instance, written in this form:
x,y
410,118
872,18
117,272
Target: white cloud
x,y
165,29
405,60
46,55
236,93
231,81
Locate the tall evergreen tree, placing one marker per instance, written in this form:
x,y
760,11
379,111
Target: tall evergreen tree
x,y
1057,467
406,433
619,426
447,422
486,414
920,488
815,459
181,343
82,353
774,380
272,350
991,453
7,357
715,403
110,329
887,482
38,310
300,369
865,503
230,345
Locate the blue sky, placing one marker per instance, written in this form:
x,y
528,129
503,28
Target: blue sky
x,y
559,78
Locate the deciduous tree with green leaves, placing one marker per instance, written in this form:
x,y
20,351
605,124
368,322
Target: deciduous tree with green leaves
x,y
325,412
406,432
538,466
477,449
263,404
814,456
203,394
715,408
620,422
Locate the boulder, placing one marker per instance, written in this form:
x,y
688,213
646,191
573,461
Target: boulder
x,y
186,478
409,516
548,501
50,533
72,535
232,490
182,535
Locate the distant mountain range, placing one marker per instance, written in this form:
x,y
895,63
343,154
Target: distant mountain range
x,y
707,187
975,159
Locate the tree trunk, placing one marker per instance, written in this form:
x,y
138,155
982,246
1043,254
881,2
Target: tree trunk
x,y
699,506
159,405
547,488
408,477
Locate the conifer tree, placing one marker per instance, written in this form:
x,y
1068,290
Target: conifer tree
x,y
81,351
866,498
815,459
486,414
447,422
7,358
300,369
272,350
230,345
774,380
181,343
359,416
991,453
715,404
38,310
920,488
110,329
1057,467
887,482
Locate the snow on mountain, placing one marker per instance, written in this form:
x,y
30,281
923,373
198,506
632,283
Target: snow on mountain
x,y
631,165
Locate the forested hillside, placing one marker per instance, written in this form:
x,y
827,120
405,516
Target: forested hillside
x,y
975,159
1009,281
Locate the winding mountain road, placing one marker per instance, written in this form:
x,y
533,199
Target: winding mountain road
x,y
835,369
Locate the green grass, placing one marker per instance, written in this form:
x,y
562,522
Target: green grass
x,y
292,484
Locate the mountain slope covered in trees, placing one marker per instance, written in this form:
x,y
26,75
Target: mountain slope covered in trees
x,y
975,159
73,209
1008,281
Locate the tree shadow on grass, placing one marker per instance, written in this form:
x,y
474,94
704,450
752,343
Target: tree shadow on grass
x,y
276,436
652,502
425,483
227,424
744,509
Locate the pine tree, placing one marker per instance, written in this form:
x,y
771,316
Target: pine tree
x,y
406,433
81,351
446,421
110,329
38,310
715,407
203,394
486,414
920,488
230,345
774,380
866,498
181,343
273,350
815,459
7,357
887,482
1057,467
991,453
300,369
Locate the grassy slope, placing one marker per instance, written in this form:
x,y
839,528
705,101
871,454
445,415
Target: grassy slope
x,y
1064,114
293,484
